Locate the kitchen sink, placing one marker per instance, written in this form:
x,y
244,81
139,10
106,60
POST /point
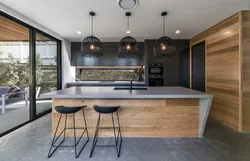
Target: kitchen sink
x,y
128,88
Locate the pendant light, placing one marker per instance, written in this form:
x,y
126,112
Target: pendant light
x,y
127,47
91,46
164,45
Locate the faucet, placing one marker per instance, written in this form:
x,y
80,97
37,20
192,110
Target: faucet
x,y
131,84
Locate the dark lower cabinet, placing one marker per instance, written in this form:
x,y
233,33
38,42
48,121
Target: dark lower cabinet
x,y
198,67
109,58
185,68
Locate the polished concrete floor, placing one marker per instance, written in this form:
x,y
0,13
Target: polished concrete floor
x,y
220,143
18,113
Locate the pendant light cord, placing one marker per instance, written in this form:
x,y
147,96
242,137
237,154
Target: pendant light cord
x,y
92,25
164,30
128,25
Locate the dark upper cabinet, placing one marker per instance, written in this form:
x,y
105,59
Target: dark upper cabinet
x,y
110,56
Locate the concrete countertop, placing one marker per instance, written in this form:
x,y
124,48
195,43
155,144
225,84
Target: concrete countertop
x,y
109,92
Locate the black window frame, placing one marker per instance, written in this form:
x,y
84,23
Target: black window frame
x,y
32,80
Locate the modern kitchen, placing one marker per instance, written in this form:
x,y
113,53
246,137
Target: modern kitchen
x,y
129,84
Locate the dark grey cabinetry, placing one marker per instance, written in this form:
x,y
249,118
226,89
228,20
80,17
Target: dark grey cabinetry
x,y
110,56
172,75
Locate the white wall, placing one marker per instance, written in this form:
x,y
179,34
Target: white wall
x,y
68,72
28,21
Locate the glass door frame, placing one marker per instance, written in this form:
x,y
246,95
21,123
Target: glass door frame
x,y
32,77
34,32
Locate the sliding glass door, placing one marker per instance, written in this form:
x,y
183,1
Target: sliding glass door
x,y
46,70
14,74
30,65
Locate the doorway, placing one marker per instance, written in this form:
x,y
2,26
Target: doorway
x,y
198,67
184,68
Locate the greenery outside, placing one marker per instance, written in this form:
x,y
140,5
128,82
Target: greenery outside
x,y
15,73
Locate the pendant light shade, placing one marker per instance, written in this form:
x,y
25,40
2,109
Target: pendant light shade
x,y
128,47
164,45
91,46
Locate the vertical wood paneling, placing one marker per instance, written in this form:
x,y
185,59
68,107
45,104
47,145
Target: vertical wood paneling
x,y
245,70
223,69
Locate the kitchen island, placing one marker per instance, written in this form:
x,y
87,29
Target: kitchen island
x,y
155,112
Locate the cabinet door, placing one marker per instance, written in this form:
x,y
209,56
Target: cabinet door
x,y
184,68
198,67
109,58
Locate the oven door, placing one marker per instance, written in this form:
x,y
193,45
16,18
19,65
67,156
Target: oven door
x,y
156,70
155,82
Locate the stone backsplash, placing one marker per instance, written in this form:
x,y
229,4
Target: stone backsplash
x,y
108,75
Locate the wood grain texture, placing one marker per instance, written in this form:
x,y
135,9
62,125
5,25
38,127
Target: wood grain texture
x,y
234,19
13,31
138,117
223,69
245,70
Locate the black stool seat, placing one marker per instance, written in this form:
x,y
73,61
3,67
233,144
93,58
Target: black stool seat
x,y
106,109
68,110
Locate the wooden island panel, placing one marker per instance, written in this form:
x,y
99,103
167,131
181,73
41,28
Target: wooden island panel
x,y
138,117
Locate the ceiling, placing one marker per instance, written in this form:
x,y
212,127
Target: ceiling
x,y
66,17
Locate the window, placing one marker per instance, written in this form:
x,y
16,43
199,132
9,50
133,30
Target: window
x,y
30,64
14,74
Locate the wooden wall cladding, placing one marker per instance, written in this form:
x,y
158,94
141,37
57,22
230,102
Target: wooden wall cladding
x,y
223,69
12,31
138,117
245,42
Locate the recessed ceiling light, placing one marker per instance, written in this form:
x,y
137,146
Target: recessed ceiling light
x,y
177,31
79,32
127,4
128,32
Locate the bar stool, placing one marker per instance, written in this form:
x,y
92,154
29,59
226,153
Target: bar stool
x,y
118,137
65,111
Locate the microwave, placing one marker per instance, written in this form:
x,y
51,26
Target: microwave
x,y
156,68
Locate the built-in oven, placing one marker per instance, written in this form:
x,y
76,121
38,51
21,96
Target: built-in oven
x,y
156,69
156,80
155,77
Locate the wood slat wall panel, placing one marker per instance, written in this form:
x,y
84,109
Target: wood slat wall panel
x,y
234,19
246,70
223,69
12,31
138,118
